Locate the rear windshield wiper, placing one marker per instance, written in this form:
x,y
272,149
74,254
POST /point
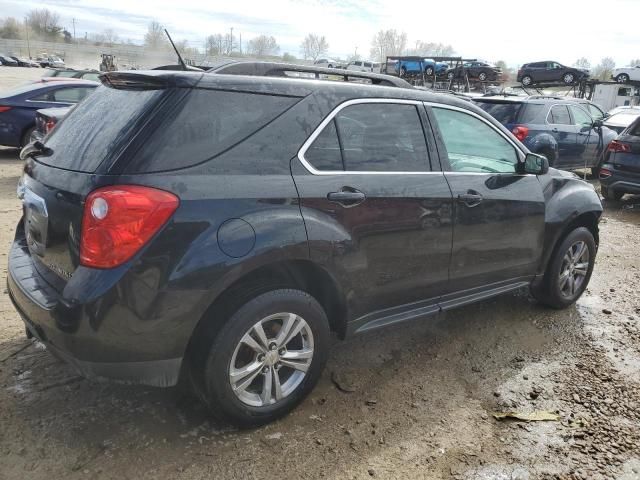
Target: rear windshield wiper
x,y
36,149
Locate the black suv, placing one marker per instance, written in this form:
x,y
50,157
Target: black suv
x,y
568,132
217,227
550,72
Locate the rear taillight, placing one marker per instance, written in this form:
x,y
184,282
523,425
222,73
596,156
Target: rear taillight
x,y
616,146
48,125
4,109
605,173
520,132
118,220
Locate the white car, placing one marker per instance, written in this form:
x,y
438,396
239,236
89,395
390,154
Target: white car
x,y
328,63
364,66
626,74
621,120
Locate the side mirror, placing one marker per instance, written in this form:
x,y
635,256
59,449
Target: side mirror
x,y
534,164
597,123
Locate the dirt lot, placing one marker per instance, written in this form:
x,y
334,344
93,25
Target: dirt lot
x,y
414,401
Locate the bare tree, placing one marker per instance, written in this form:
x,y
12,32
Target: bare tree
x,y
287,57
110,37
388,42
44,23
10,28
263,46
314,46
582,62
215,44
507,73
155,37
605,68
230,44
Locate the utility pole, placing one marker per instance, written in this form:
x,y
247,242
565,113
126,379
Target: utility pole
x,y
26,27
73,21
231,42
240,43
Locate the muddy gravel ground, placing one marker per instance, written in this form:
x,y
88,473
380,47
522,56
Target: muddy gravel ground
x,y
412,401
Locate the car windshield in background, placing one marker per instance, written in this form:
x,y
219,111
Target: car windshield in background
x,y
92,131
505,113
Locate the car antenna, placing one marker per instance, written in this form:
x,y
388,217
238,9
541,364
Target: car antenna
x,y
184,67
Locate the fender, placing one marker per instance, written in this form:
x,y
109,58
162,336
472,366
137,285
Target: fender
x,y
541,141
566,197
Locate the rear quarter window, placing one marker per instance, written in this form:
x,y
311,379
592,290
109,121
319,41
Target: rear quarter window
x,y
204,125
532,113
505,113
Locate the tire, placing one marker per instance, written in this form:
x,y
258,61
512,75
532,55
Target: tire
x,y
450,75
254,404
563,281
622,78
26,137
403,72
568,78
610,194
526,80
482,77
549,154
429,71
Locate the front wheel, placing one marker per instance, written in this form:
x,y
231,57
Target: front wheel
x,y
482,77
266,358
569,270
429,71
568,78
622,78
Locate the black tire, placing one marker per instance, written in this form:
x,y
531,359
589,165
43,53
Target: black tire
x,y
550,292
216,386
622,78
26,136
482,76
549,154
568,78
610,194
450,75
403,72
429,71
526,81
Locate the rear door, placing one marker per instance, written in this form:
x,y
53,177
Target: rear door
x,y
498,214
375,211
565,132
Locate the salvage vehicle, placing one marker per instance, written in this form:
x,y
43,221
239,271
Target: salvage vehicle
x,y
328,63
50,61
475,70
18,107
620,173
550,72
25,62
7,61
620,120
364,66
217,227
626,74
408,66
562,130
59,73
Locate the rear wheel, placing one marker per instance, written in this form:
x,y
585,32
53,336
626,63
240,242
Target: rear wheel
x,y
610,194
403,72
569,270
482,77
429,71
526,80
266,358
568,78
622,78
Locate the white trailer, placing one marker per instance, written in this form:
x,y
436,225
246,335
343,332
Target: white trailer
x,y
611,95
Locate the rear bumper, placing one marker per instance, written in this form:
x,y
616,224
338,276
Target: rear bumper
x,y
621,180
66,330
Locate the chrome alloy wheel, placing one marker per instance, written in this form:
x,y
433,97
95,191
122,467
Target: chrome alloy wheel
x,y
271,360
575,266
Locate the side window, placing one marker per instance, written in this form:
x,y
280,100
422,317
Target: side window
x,y
595,112
43,97
580,117
324,153
382,137
559,115
70,95
474,146
367,64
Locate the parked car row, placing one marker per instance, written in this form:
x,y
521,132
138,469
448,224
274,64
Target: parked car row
x,y
41,61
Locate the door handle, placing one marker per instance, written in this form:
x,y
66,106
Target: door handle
x,y
347,197
470,199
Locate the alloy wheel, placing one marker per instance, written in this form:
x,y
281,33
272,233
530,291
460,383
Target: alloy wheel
x,y
622,78
568,78
574,269
271,360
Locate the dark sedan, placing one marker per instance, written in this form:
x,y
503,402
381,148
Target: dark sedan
x,y
620,172
475,70
7,61
550,72
18,107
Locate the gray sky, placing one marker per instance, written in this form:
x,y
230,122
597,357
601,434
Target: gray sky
x,y
560,30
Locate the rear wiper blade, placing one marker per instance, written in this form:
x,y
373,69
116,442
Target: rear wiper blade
x,y
35,149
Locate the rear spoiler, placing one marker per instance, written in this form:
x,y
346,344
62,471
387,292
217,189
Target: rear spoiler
x,y
146,81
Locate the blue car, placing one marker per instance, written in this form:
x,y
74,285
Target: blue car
x,y
18,107
417,65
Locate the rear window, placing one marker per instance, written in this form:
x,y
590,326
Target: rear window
x,y
634,129
532,113
204,125
95,127
505,113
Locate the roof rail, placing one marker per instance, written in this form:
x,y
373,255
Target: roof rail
x,y
275,69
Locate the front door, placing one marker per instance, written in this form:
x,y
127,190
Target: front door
x,y
376,214
590,145
499,223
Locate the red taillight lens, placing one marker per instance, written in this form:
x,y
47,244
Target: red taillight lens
x,y
616,146
605,172
520,132
4,109
118,220
48,125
